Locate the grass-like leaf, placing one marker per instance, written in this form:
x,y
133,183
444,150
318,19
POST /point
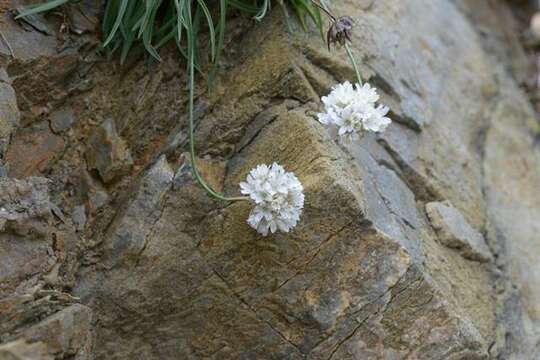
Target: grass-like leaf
x,y
263,10
153,23
211,29
121,10
34,9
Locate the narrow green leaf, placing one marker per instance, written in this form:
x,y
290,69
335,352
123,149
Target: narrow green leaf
x,y
223,6
108,18
206,12
242,6
180,4
263,10
116,25
148,31
132,13
34,9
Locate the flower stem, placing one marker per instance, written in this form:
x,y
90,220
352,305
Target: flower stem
x,y
326,9
354,64
191,85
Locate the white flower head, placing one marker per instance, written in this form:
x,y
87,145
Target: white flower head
x,y
278,197
352,110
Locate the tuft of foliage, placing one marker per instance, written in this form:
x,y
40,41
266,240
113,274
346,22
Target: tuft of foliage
x,y
156,22
153,23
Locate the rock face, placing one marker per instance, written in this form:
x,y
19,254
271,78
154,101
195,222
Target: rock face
x,y
37,319
455,232
419,243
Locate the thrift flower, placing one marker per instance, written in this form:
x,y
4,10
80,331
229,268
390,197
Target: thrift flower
x,y
278,197
351,110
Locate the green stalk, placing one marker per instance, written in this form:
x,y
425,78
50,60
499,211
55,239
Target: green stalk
x,y
191,85
353,61
325,8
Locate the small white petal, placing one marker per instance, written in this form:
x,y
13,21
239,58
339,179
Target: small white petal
x,y
352,110
278,198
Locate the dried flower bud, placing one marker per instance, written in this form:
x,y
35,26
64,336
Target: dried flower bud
x,y
340,31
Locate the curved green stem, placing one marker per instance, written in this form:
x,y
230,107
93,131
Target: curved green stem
x,y
354,64
191,85
325,9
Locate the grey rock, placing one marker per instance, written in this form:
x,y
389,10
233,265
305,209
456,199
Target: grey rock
x,y
4,77
24,206
514,217
9,114
454,231
362,276
130,229
67,333
25,242
58,212
78,216
23,350
108,153
98,199
81,17
61,119
94,194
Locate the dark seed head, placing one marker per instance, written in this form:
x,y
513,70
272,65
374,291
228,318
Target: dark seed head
x,y
340,31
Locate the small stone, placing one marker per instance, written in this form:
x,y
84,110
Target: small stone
x,y
22,350
25,205
9,112
61,119
53,278
81,20
108,153
79,217
4,77
67,333
455,232
58,212
98,199
93,192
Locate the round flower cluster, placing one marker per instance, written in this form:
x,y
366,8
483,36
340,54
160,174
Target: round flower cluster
x,y
278,198
351,110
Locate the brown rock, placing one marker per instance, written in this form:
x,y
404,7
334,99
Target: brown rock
x,y
107,152
32,151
